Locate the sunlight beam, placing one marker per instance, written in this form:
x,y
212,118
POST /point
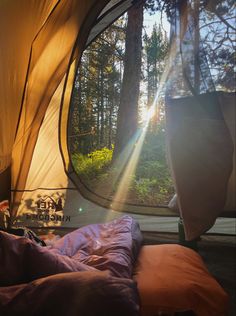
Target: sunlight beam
x,y
122,191
123,188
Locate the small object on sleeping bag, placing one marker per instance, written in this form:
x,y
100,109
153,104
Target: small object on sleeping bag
x,y
27,233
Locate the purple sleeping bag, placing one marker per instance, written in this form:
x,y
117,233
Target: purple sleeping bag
x,y
34,280
113,246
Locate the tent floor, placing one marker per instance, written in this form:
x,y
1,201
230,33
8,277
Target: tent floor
x,y
218,253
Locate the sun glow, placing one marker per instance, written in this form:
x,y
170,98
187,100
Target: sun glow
x,y
147,115
129,171
136,144
134,148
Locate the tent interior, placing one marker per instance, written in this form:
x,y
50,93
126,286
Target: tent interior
x,y
86,100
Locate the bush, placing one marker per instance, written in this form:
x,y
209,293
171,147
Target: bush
x,y
92,165
151,184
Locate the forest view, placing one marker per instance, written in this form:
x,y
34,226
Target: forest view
x,y
116,84
118,117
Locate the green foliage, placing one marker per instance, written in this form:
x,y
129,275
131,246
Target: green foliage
x,y
151,184
96,91
92,165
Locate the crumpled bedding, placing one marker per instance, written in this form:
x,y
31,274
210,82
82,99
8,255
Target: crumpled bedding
x,y
101,255
112,246
88,293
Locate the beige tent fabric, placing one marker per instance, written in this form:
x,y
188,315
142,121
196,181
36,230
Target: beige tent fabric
x,y
228,107
201,151
20,21
50,55
16,38
46,180
46,169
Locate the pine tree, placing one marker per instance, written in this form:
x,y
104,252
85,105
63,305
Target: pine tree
x,y
127,121
96,92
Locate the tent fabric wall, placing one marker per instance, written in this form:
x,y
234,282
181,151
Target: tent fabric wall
x,y
16,38
107,17
43,34
52,51
47,181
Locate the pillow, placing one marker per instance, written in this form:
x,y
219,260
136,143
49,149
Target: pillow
x,y
92,293
21,260
172,278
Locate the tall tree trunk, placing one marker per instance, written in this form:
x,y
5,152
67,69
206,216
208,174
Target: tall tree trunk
x,y
110,125
102,106
127,120
98,113
196,47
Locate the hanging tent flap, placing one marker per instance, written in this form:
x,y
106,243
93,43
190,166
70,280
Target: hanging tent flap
x,y
199,98
201,152
228,107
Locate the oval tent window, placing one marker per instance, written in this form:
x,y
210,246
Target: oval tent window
x,y
117,119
